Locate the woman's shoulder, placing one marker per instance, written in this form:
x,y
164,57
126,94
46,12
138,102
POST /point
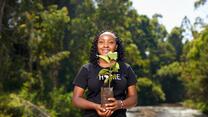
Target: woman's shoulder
x,y
87,66
124,64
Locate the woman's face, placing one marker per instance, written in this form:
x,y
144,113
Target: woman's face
x,y
106,43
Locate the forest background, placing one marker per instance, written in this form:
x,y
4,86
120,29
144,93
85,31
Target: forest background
x,y
44,43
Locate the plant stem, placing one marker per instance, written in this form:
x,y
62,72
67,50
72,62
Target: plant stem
x,y
109,81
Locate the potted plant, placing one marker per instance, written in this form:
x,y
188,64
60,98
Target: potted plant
x,y
107,90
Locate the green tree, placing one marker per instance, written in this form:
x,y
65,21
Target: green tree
x,y
171,82
32,46
195,71
175,38
150,92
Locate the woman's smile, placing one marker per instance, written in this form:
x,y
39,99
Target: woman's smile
x,y
105,51
106,43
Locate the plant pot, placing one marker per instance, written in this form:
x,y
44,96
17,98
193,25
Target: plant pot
x,y
106,92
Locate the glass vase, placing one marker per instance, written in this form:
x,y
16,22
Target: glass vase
x,y
106,92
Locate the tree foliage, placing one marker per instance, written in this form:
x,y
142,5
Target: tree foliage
x,y
195,70
44,43
150,92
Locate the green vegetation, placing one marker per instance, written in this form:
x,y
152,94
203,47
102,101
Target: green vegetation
x,y
44,43
108,73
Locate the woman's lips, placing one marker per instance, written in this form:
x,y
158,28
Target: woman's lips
x,y
105,51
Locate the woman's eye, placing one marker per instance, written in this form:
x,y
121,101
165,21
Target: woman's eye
x,y
100,42
111,42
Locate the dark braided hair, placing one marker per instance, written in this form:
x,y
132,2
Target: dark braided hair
x,y
94,51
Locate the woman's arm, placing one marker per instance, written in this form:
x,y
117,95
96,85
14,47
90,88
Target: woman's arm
x,y
130,101
80,102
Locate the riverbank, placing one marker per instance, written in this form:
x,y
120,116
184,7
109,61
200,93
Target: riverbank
x,y
165,110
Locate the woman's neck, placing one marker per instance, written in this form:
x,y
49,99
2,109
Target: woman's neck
x,y
103,63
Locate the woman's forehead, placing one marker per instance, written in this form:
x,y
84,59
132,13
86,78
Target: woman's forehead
x,y
106,37
108,33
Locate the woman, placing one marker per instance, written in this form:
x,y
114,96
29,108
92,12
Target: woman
x,y
124,88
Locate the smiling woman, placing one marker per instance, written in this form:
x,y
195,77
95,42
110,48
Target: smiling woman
x,y
106,44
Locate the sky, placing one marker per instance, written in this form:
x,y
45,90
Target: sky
x,y
173,11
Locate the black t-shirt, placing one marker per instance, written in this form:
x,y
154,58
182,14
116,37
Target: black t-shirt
x,y
87,78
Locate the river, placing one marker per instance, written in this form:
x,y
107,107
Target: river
x,y
163,111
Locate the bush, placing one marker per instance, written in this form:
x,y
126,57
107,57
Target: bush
x,y
150,93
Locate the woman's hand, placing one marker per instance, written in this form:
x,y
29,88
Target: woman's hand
x,y
102,112
113,105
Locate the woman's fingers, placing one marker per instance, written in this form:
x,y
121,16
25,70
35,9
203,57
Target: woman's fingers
x,y
100,108
114,105
101,111
111,99
109,113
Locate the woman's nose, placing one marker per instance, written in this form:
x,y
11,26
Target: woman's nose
x,y
106,44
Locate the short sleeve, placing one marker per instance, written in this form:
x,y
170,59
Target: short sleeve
x,y
131,76
81,78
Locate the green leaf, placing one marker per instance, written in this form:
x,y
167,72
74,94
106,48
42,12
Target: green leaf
x,y
105,58
103,72
113,55
115,67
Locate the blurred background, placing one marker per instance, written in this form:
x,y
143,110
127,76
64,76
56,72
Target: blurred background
x,y
43,43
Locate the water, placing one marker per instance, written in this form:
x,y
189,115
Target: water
x,y
160,111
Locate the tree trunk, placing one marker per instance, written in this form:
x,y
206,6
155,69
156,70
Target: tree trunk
x,y
2,4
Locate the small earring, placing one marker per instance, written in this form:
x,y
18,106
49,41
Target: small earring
x,y
97,55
